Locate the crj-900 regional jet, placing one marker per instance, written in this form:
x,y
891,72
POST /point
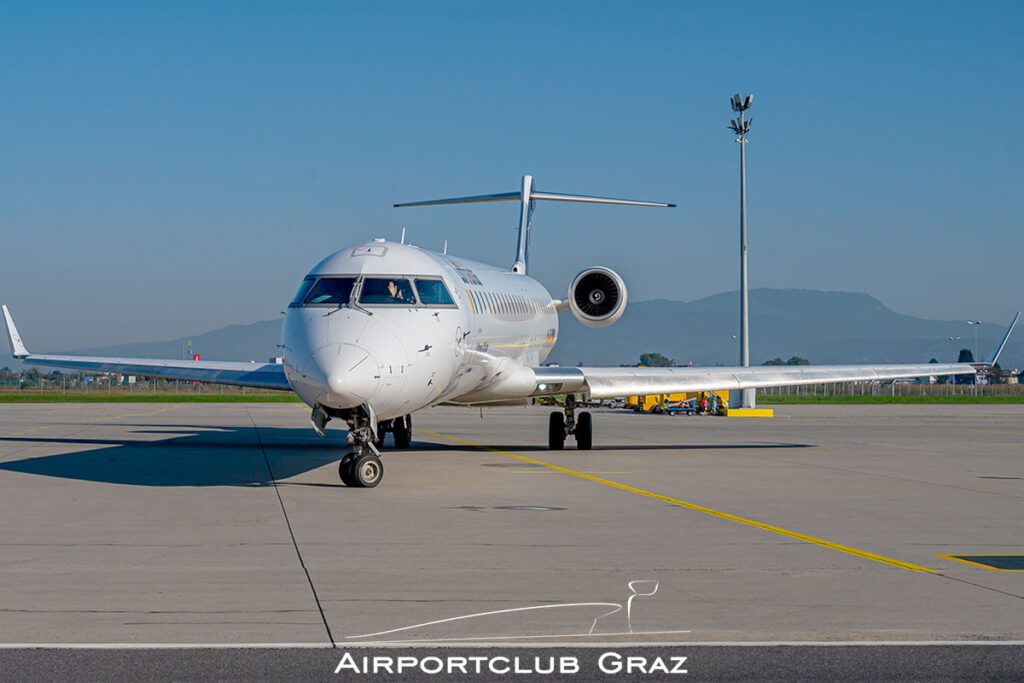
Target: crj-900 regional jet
x,y
381,329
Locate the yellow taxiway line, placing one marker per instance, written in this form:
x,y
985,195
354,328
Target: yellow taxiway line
x,y
863,554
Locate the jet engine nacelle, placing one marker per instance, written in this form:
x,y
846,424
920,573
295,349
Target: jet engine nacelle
x,y
597,297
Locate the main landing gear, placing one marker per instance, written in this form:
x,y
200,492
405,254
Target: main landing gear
x,y
562,424
400,428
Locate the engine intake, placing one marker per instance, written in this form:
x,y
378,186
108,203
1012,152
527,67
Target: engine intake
x,y
597,297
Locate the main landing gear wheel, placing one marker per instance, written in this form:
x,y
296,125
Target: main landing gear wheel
x,y
563,423
402,431
584,432
556,431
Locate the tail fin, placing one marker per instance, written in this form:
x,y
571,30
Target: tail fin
x,y
527,196
994,356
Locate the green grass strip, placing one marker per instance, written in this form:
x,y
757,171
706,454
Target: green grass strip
x,y
765,399
147,398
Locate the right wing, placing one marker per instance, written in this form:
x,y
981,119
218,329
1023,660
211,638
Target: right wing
x,y
259,375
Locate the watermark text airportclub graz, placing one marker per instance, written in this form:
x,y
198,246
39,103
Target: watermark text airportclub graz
x,y
474,665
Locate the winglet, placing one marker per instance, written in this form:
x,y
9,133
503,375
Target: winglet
x,y
18,349
994,356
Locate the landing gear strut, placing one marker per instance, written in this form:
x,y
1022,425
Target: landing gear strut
x,y
560,425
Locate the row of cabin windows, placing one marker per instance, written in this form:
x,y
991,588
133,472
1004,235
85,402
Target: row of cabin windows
x,y
506,304
372,291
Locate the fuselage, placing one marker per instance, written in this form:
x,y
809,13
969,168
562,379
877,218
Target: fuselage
x,y
401,328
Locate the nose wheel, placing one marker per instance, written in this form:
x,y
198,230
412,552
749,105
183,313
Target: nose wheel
x,y
361,470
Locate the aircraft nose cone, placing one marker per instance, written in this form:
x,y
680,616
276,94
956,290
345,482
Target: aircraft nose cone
x,y
338,383
352,374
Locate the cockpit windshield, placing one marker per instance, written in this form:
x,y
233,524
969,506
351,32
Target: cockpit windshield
x,y
387,290
433,293
332,290
303,291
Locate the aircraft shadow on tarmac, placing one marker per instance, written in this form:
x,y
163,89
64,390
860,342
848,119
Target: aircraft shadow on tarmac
x,y
202,456
188,456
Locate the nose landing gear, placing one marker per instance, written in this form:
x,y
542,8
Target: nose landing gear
x,y
561,425
361,467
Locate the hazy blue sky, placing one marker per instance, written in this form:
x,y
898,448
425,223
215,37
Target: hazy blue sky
x,y
168,168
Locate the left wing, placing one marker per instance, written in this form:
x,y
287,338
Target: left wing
x,y
260,375
615,382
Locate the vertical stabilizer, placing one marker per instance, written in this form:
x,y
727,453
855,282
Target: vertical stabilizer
x,y
525,215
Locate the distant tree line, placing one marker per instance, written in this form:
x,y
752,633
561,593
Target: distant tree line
x,y
794,360
656,360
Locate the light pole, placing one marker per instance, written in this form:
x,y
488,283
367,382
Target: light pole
x,y
952,378
974,324
748,397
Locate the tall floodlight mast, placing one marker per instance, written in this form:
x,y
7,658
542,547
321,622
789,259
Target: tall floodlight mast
x,y
739,126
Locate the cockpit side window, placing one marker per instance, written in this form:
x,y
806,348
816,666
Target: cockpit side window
x,y
331,291
433,293
387,290
303,291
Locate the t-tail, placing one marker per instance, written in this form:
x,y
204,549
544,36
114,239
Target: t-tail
x,y
527,195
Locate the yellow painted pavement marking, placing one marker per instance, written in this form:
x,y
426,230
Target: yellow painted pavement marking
x,y
700,508
546,471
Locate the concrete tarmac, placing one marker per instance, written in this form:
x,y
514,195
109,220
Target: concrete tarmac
x,y
226,523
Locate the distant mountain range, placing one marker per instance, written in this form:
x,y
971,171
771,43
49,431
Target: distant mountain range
x,y
824,327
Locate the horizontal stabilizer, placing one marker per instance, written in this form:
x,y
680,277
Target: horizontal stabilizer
x,y
526,197
501,197
535,196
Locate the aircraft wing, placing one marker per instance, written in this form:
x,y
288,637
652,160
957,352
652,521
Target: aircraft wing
x,y
616,382
261,375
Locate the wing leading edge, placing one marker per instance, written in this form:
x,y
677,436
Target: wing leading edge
x,y
615,382
258,375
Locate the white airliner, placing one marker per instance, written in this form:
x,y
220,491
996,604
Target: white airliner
x,y
382,329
